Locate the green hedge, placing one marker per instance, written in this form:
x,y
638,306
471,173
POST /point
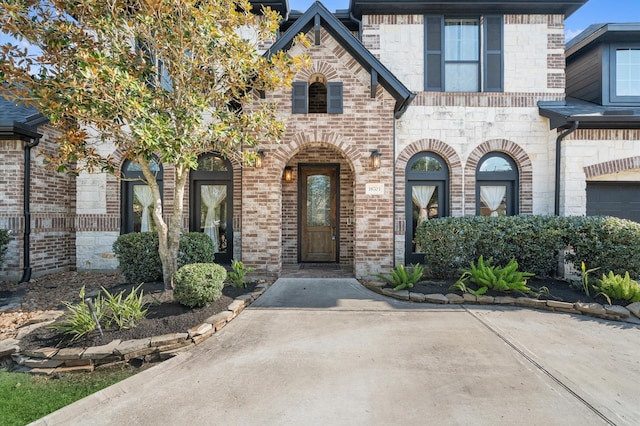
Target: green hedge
x,y
451,244
139,260
5,237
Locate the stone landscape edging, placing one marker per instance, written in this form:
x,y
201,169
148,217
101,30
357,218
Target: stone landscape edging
x,y
48,361
628,314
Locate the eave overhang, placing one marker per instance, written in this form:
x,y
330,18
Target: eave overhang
x,y
17,130
603,33
563,114
353,46
280,6
417,7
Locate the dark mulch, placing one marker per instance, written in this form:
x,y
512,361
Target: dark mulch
x,y
542,288
164,316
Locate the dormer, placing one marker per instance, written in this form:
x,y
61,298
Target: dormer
x,y
603,65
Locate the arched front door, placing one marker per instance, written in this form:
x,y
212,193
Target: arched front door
x,y
211,206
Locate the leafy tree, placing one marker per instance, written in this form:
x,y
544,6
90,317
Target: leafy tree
x,y
173,79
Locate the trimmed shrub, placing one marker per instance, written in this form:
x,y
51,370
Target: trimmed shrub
x,y
195,247
139,259
450,244
138,256
198,284
609,243
5,237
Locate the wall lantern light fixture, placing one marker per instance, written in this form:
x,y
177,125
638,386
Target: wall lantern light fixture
x,y
259,159
375,159
288,174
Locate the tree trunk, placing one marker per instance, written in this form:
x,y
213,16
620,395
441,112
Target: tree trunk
x,y
168,234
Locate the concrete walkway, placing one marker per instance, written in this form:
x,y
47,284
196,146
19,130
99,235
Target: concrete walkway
x,y
320,352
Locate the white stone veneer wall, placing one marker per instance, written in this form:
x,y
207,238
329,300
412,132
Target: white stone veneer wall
x,y
464,128
578,154
94,250
402,52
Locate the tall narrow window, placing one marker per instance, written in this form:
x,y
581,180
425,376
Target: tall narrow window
x,y
458,59
317,98
462,55
496,186
136,199
427,188
211,197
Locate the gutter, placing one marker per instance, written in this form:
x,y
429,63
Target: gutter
x,y
559,139
357,21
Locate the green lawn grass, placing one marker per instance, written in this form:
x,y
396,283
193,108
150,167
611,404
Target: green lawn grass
x,y
25,397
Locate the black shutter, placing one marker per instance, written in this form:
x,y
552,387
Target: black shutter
x,y
433,53
334,97
493,62
299,104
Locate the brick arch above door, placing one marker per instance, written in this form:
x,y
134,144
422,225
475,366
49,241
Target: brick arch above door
x,y
356,156
525,173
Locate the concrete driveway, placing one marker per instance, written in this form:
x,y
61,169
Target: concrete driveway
x,y
320,352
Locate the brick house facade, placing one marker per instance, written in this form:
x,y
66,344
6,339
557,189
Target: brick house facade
x,y
384,85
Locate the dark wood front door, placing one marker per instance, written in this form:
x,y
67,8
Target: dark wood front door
x,y
318,218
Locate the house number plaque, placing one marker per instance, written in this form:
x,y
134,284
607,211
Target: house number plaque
x,y
375,189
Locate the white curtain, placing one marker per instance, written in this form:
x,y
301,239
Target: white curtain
x,y
145,198
421,196
492,197
212,197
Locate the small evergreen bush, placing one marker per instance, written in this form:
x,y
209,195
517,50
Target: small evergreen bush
x,y
140,261
5,237
195,247
198,284
138,256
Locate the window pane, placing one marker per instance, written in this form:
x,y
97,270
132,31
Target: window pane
x,y
461,40
213,215
318,200
427,164
424,207
495,164
135,167
211,163
142,209
628,72
461,77
493,200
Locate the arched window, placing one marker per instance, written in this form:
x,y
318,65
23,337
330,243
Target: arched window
x,y
427,195
211,208
317,96
136,200
496,186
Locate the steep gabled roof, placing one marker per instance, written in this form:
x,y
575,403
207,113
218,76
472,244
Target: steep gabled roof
x,y
352,45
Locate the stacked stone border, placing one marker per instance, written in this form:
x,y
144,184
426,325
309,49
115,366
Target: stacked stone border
x,y
629,314
48,361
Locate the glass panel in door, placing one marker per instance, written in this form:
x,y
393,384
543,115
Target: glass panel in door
x,y
213,212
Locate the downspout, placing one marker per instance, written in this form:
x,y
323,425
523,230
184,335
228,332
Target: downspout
x,y
26,274
354,19
559,139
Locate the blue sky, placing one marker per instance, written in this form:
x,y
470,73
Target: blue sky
x,y
594,12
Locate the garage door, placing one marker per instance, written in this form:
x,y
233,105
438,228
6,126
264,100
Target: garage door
x,y
619,199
